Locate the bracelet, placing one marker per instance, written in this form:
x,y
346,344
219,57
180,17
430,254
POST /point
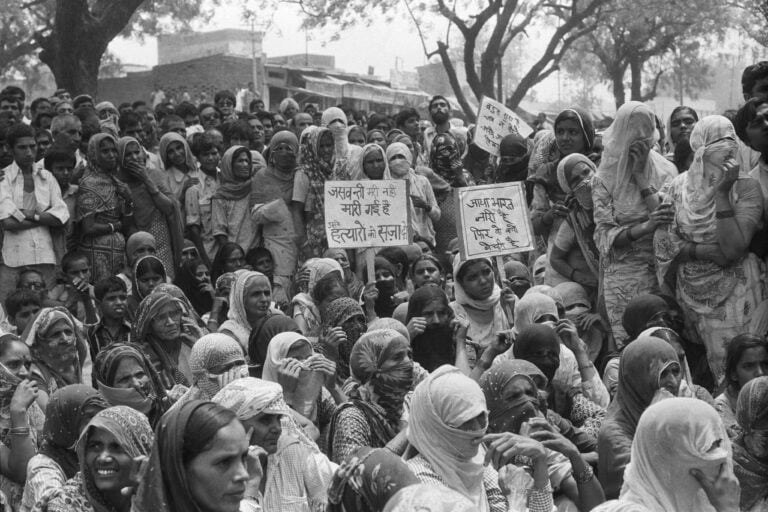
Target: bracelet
x,y
585,366
647,192
19,431
584,476
724,214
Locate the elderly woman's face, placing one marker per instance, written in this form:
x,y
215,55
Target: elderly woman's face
x,y
58,343
166,324
130,374
580,172
374,165
265,431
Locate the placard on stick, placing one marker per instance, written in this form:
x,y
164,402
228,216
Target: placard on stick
x,y
493,220
494,122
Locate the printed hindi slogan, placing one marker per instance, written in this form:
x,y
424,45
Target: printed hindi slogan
x,y
370,213
493,220
494,122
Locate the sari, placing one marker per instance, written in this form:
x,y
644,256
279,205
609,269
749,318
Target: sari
x,y
258,344
673,436
237,325
375,408
625,272
170,359
108,199
193,324
428,498
318,172
153,404
639,371
445,162
716,300
435,346
344,312
133,433
302,303
231,204
166,229
751,471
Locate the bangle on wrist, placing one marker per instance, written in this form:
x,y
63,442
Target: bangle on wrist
x,y
585,476
724,214
585,366
19,431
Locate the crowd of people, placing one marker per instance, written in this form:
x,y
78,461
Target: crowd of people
x,y
176,335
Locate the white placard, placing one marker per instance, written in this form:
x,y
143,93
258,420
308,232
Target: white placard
x,y
367,213
494,122
493,220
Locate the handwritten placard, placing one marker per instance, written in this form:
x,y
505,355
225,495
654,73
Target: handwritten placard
x,y
494,122
493,220
367,213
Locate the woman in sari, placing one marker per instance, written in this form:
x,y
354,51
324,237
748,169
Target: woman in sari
x,y
258,344
381,363
703,255
194,279
112,439
231,217
628,209
59,351
574,256
21,418
137,246
191,322
649,367
157,330
229,258
215,361
377,137
148,273
680,461
104,209
179,163
304,310
371,164
750,452
295,475
68,411
318,165
125,376
343,320
249,303
155,210
199,461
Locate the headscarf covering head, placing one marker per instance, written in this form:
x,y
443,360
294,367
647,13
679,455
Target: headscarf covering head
x,y
565,168
152,263
165,142
459,268
750,453
232,187
674,436
445,157
278,350
122,147
381,359
399,168
390,323
435,346
575,298
67,411
584,121
539,269
332,114
94,145
319,268
505,415
237,316
358,165
249,396
429,498
214,351
640,367
441,404
282,137
147,311
639,311
105,367
380,475
513,145
531,308
540,345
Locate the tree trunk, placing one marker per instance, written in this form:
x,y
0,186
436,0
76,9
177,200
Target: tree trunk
x,y
617,79
442,50
77,69
636,77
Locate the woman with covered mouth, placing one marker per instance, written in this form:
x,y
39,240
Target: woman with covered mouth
x,y
106,451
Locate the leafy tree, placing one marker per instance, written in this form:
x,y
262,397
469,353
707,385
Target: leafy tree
x,y
72,35
496,23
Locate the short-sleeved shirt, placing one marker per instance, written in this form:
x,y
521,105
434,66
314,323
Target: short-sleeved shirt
x,y
198,210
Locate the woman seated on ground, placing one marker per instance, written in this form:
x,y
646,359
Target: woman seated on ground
x,y
158,332
437,338
519,277
303,308
199,461
482,302
111,441
383,295
258,344
295,475
578,309
343,324
249,302
125,376
351,280
308,379
59,351
21,418
750,455
148,273
261,260
447,425
745,359
381,365
69,410
680,462
424,269
512,396
194,279
215,361
191,323
648,367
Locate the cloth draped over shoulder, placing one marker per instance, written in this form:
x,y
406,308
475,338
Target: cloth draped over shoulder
x,y
237,318
480,332
751,408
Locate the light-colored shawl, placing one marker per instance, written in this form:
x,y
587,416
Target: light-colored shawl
x,y
165,142
208,352
440,405
673,436
237,318
428,498
277,351
461,296
356,169
531,307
